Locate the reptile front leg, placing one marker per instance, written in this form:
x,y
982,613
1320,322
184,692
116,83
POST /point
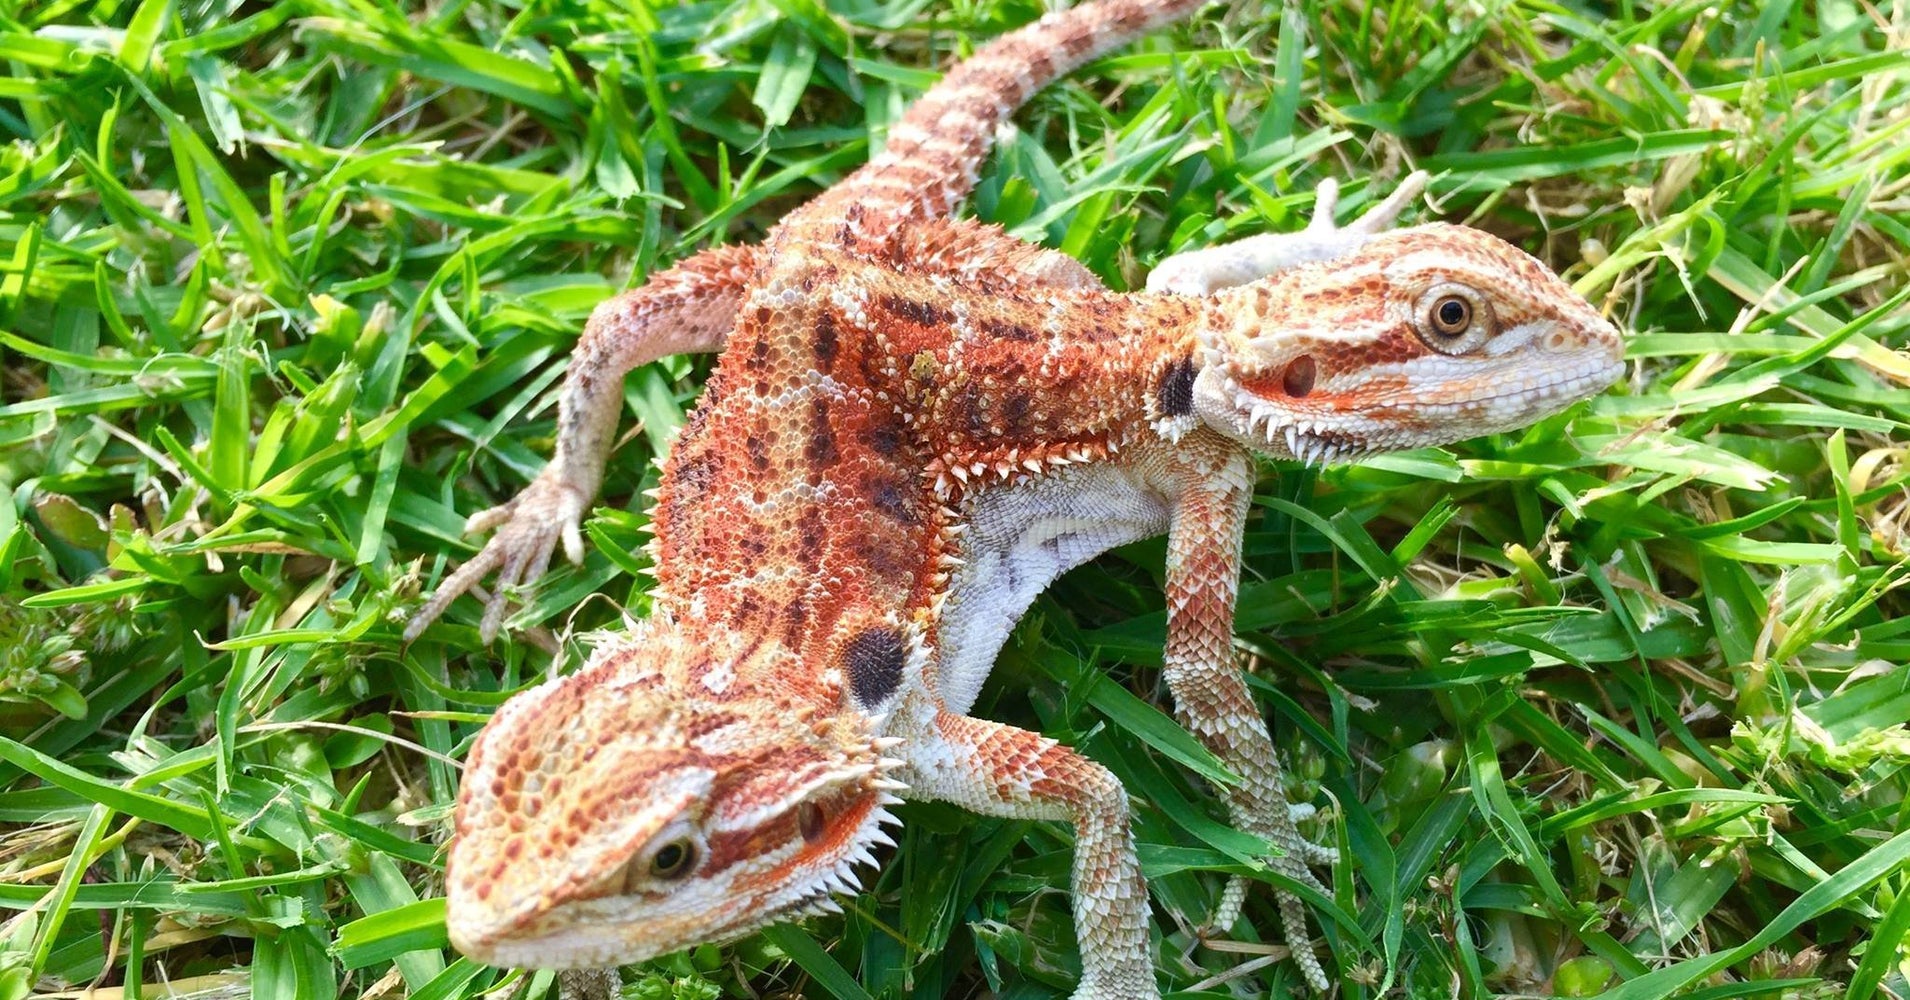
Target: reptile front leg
x,y
1200,272
688,309
1211,486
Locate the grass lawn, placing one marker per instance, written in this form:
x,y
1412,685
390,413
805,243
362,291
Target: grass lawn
x,y
1617,704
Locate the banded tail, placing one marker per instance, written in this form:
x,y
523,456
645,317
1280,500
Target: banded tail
x,y
934,154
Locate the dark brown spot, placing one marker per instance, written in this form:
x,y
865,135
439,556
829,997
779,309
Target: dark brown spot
x,y
694,475
811,536
1299,376
919,313
873,661
795,622
758,452
886,557
893,500
827,342
1007,330
821,449
1015,408
1175,393
972,404
886,439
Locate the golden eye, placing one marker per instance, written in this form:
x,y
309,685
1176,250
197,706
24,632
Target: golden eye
x,y
673,860
1450,316
1453,319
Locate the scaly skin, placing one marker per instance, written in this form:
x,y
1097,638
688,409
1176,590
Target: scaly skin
x,y
916,424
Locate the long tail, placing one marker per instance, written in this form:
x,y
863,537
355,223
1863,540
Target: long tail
x,y
935,152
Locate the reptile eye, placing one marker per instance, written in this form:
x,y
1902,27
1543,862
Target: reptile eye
x,y
1453,319
673,860
1451,315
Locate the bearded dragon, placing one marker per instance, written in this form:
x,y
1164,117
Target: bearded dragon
x,y
916,424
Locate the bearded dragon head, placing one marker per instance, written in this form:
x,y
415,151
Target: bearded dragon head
x,y
658,799
1420,337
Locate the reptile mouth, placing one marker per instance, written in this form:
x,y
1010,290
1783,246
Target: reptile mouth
x,y
1341,436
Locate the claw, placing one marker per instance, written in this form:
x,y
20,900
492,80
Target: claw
x,y
1382,215
573,543
528,530
489,518
1326,200
1204,271
493,619
1295,860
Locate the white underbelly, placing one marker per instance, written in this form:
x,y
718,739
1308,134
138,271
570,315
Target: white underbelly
x,y
1019,539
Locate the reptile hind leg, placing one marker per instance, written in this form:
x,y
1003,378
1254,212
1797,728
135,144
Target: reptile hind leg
x,y
999,770
1200,272
1211,490
688,309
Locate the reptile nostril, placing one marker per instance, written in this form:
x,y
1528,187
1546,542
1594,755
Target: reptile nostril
x,y
1298,379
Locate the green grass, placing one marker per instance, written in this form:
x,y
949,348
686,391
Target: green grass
x,y
1617,703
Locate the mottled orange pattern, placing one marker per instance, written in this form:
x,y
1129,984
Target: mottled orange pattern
x,y
915,425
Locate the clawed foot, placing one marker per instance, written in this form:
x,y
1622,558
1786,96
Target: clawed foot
x,y
528,530
1204,271
1296,861
1375,220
